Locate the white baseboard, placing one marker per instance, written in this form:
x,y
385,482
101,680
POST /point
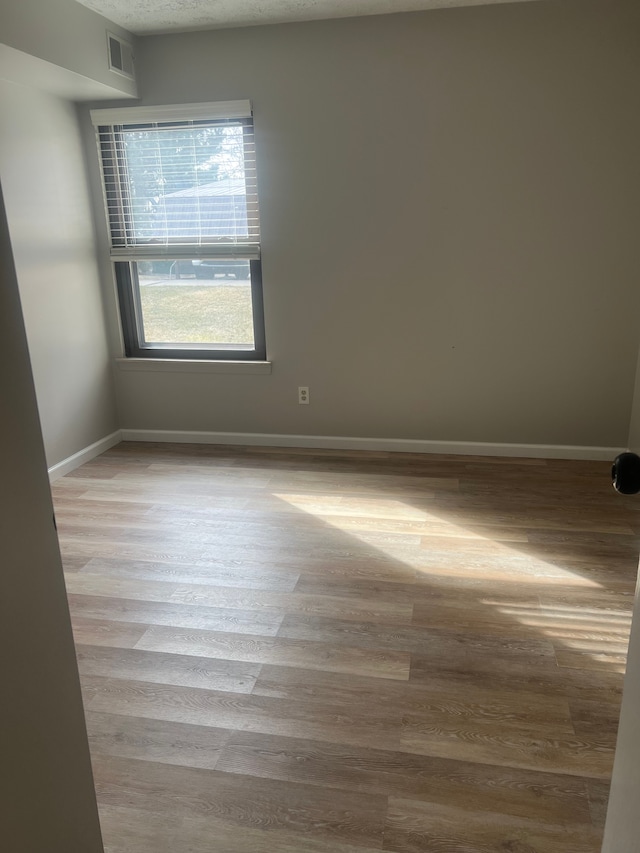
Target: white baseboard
x,y
462,448
84,455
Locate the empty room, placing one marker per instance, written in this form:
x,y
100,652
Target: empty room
x,y
320,329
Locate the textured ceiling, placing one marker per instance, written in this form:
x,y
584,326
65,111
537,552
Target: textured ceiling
x,y
157,16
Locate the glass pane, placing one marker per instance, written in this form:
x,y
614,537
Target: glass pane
x,y
200,302
186,184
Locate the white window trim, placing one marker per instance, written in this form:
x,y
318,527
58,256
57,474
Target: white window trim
x,y
183,365
172,112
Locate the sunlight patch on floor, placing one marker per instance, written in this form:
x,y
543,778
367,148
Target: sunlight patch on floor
x,y
435,547
477,559
586,630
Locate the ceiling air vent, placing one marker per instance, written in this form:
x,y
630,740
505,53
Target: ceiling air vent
x,y
120,56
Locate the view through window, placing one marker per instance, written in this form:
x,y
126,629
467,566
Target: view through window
x,y
181,201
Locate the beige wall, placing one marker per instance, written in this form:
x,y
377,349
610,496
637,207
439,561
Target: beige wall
x,y
450,220
46,788
65,34
622,828
634,428
50,220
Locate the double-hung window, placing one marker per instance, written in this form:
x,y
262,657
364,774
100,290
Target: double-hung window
x,y
182,208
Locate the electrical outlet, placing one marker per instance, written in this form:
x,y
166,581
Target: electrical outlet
x,y
303,395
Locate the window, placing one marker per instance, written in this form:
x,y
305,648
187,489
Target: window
x,y
182,208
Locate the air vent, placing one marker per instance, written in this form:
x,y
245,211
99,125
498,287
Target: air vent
x,y
120,56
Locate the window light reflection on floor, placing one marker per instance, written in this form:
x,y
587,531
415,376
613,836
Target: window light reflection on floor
x,y
601,634
341,511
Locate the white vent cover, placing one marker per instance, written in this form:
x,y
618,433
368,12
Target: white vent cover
x,y
120,55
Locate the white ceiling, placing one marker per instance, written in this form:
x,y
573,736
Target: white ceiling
x,y
158,16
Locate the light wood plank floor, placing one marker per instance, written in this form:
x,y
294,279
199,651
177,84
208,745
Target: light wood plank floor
x,y
312,652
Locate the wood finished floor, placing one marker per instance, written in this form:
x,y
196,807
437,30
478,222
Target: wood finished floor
x,y
312,652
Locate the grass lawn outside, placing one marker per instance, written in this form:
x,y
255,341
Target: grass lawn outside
x,y
216,312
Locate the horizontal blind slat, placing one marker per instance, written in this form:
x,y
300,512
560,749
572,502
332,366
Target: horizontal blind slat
x,y
187,189
247,251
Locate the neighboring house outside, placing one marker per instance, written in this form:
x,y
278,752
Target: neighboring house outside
x,y
205,213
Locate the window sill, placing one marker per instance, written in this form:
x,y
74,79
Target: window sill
x,y
184,365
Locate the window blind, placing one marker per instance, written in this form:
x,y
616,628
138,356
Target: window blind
x,y
180,181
